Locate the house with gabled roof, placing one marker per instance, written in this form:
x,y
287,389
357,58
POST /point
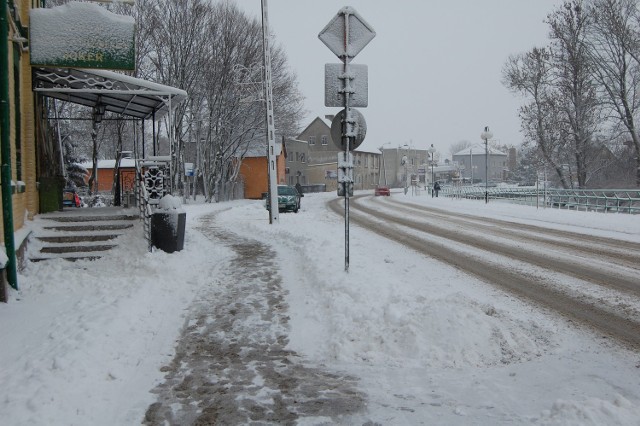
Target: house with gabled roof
x,y
478,161
322,159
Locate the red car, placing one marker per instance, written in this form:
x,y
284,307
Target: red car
x,y
382,190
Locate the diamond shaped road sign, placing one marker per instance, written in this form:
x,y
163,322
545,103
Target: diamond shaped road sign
x,y
347,34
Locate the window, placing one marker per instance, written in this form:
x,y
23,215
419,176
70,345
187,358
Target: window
x,y
302,157
312,140
297,156
324,140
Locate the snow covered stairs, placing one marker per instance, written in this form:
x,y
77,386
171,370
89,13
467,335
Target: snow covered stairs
x,y
75,234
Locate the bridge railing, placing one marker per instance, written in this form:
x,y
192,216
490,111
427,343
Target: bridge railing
x,y
601,200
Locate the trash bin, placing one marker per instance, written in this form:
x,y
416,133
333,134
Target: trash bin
x,y
168,225
50,193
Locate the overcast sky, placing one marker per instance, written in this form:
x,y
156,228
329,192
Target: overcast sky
x,y
434,66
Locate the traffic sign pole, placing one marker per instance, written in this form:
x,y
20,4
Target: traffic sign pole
x,y
345,136
346,35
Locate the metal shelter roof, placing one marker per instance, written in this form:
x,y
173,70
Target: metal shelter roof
x,y
118,93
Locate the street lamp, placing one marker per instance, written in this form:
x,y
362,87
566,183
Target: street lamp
x,y
432,151
384,169
485,136
403,162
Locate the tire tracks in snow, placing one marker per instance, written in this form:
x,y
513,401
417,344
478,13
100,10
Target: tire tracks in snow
x,y
624,253
413,232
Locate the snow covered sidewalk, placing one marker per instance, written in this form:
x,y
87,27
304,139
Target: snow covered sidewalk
x,y
232,364
84,341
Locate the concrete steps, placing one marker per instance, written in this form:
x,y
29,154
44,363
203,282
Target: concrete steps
x,y
75,234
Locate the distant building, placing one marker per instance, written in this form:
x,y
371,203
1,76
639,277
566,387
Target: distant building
x,y
473,161
321,166
296,164
254,171
448,172
106,171
395,174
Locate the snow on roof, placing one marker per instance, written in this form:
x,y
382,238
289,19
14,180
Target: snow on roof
x,y
51,38
479,149
258,149
368,150
110,164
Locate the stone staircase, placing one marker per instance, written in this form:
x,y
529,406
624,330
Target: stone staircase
x,y
75,234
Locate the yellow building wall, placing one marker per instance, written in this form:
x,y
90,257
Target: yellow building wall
x,y
29,165
25,204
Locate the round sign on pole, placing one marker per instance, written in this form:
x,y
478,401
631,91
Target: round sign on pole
x,y
357,130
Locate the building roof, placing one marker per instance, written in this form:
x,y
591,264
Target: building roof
x,y
479,149
119,93
258,149
321,120
110,164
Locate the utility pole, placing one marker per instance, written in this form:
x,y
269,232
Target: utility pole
x,y
272,159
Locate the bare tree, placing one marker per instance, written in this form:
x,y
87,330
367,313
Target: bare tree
x,y
459,146
615,57
573,76
562,112
530,75
214,52
234,99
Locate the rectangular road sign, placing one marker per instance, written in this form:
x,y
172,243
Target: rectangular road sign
x,y
334,79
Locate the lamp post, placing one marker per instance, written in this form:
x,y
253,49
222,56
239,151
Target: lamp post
x,y
384,169
485,136
432,151
403,162
471,162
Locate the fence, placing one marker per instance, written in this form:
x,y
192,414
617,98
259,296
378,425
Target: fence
x,y
152,183
601,200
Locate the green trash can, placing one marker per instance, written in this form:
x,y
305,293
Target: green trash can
x,y
50,193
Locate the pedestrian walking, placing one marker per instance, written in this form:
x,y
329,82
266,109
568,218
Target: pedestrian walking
x,y
436,188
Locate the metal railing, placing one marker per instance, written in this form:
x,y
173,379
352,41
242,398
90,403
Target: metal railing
x,y
600,200
143,204
150,196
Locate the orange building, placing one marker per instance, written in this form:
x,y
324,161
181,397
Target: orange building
x,y
254,170
105,174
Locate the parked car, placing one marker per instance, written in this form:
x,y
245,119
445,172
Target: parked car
x,y
288,199
382,190
70,198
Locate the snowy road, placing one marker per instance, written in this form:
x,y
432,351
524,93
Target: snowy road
x,y
590,279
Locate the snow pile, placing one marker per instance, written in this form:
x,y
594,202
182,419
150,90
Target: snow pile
x,y
593,411
169,203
